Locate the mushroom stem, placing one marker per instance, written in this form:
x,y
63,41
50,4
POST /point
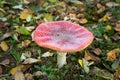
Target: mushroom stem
x,y
61,59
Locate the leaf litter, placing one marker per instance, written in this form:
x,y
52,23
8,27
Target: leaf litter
x,y
19,19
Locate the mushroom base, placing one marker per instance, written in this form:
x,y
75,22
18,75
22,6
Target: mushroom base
x,y
61,59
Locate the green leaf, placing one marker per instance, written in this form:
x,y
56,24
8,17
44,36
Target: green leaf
x,y
23,30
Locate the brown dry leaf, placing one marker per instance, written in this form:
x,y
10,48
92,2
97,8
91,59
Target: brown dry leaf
x,y
6,35
29,76
83,21
4,46
26,43
5,62
1,70
19,75
117,73
115,37
89,56
40,2
117,28
101,8
97,51
112,55
26,14
31,61
112,4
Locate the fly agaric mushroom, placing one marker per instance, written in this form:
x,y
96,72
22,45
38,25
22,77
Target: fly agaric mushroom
x,y
62,36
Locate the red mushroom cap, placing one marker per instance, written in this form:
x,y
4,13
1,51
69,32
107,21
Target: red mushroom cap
x,y
62,36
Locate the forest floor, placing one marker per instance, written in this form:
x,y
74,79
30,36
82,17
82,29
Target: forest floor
x,y
20,55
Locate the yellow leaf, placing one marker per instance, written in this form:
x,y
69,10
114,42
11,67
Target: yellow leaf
x,y
26,13
80,62
26,43
105,36
16,69
83,21
48,17
4,46
108,28
112,55
104,18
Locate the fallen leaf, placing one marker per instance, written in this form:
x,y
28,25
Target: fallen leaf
x,y
105,36
31,61
101,8
117,75
4,46
29,76
108,28
112,4
38,73
5,62
117,27
26,1
19,68
1,70
16,69
19,75
40,2
89,56
97,51
102,73
47,54
83,21
112,55
26,54
26,14
80,62
48,17
104,18
115,37
26,43
6,35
